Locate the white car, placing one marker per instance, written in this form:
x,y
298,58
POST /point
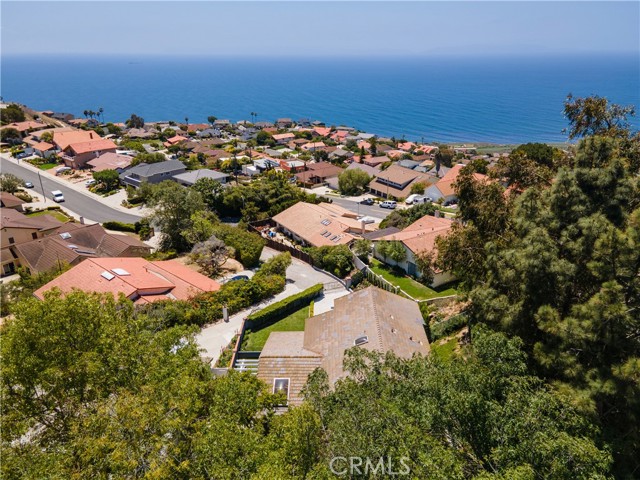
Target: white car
x,y
388,204
57,196
90,182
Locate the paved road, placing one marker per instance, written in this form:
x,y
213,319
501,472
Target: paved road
x,y
372,211
84,205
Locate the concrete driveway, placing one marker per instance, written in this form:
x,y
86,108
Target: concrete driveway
x,y
300,276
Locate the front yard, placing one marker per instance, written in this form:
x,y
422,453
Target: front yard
x,y
55,213
254,341
409,285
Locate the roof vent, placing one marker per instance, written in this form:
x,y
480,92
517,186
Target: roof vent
x,y
393,330
107,275
120,271
65,235
361,340
72,247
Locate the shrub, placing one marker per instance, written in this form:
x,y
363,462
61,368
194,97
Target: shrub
x,y
286,306
120,226
24,196
335,259
248,246
446,327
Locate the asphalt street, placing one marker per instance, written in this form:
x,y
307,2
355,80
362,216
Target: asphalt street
x,y
79,203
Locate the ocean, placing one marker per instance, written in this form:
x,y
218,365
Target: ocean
x,y
436,99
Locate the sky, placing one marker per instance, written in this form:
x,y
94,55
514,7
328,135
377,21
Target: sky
x,y
330,28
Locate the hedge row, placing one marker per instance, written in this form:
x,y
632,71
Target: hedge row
x,y
284,307
442,329
120,226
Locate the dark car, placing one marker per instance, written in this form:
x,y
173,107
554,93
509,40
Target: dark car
x,y
238,277
28,184
367,201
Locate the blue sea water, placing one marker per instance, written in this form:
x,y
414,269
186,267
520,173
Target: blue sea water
x,y
456,99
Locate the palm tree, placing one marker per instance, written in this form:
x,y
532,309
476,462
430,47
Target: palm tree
x,y
101,113
186,120
86,113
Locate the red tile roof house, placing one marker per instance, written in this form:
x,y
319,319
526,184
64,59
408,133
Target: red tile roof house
x,y
138,279
63,138
76,155
44,149
444,188
321,224
417,238
110,161
175,140
283,138
313,146
372,319
396,182
26,127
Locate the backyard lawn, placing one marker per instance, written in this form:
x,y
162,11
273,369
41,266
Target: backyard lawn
x,y
254,340
410,286
445,350
54,213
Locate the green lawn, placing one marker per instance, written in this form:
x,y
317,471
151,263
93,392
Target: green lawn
x,y
445,351
54,213
254,340
406,283
47,166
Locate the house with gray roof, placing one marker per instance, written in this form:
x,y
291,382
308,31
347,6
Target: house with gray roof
x,y
152,172
189,178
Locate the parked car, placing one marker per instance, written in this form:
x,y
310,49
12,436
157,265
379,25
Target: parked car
x,y
57,196
89,182
59,170
367,201
389,204
28,185
237,278
23,155
449,203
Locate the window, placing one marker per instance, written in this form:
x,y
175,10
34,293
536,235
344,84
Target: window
x,y
281,385
34,235
11,240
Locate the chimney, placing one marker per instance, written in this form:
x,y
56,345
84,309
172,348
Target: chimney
x,y
362,226
436,214
91,135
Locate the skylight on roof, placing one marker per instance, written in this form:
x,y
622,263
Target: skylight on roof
x,y
326,221
109,276
65,235
72,247
120,271
361,340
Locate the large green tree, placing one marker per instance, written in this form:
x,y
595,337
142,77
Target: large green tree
x,y
172,207
353,182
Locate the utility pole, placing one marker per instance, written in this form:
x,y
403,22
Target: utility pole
x,y
42,188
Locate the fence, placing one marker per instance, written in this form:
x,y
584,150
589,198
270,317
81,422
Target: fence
x,y
281,247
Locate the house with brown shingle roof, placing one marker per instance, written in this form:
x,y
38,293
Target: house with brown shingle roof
x,y
73,243
8,200
318,172
419,237
321,224
372,319
17,228
396,181
138,279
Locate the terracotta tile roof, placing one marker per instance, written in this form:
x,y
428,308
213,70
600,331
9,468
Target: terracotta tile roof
x,y
388,321
445,184
65,138
151,280
375,161
309,145
26,126
110,161
92,146
175,139
322,131
421,235
284,136
43,146
322,224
